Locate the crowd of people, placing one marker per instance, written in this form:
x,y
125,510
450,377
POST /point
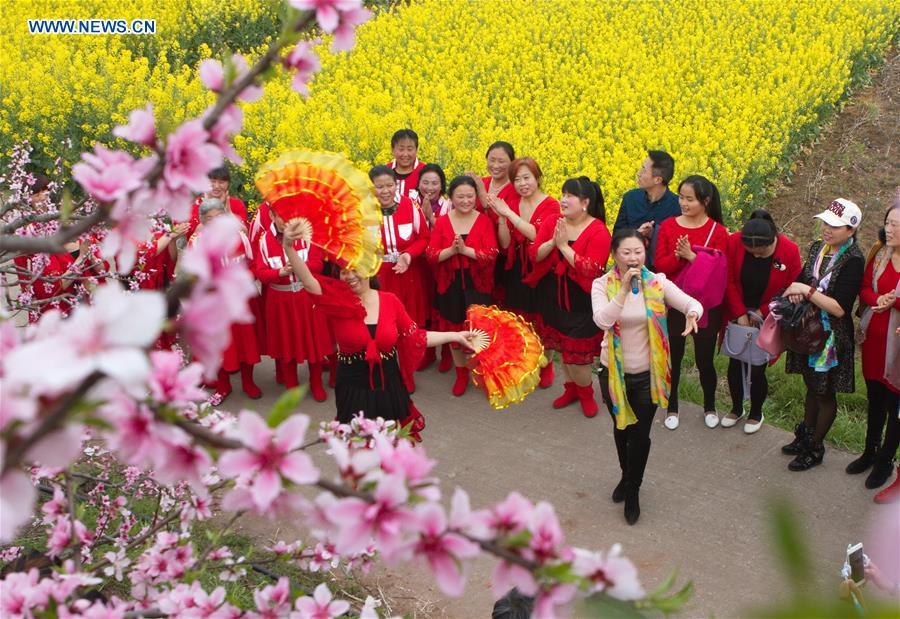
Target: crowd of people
x,y
617,302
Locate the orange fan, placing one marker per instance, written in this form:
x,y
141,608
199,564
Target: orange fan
x,y
508,355
333,202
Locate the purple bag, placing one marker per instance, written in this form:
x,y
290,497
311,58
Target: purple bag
x,y
769,338
706,277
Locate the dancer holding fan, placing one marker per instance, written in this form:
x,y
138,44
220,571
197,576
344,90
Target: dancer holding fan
x,y
462,251
378,343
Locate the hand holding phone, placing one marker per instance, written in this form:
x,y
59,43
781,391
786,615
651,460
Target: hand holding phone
x,y
856,561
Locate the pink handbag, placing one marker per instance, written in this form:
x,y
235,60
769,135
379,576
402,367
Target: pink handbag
x,y
769,338
706,277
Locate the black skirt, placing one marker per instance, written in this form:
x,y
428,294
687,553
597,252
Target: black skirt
x,y
520,297
453,303
353,391
577,321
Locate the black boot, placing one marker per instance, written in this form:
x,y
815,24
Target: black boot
x,y
618,494
863,462
809,457
632,503
881,472
793,448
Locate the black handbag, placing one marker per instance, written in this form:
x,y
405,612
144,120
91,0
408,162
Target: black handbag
x,y
802,330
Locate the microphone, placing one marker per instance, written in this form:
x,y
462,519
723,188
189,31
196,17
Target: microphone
x,y
634,283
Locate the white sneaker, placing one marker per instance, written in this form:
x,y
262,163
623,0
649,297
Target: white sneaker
x,y
752,426
671,421
728,421
712,420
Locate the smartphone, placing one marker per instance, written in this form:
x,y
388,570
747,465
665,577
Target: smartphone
x,y
856,562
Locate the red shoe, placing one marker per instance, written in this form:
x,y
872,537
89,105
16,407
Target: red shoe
x,y
289,372
462,381
547,378
223,386
569,396
250,388
316,389
588,403
446,359
891,494
429,358
332,370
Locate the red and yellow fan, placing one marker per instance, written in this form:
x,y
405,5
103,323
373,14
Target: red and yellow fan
x,y
333,202
508,355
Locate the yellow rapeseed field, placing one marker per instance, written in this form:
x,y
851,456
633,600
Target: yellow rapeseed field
x,y
730,88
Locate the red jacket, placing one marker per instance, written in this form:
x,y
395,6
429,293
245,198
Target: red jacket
x,y
591,254
481,238
665,261
408,186
236,205
406,231
547,209
786,266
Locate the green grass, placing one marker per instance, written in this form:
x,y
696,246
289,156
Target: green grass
x,y
784,406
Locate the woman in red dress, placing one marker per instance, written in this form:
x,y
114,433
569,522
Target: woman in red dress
x,y
378,343
243,349
294,332
432,193
462,253
499,182
700,223
518,222
574,250
881,353
404,237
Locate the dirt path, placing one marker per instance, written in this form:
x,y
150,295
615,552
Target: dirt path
x,y
856,157
703,501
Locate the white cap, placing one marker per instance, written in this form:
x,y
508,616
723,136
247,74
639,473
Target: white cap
x,y
841,212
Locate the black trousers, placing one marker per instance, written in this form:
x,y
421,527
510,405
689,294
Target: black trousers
x,y
882,407
704,353
632,443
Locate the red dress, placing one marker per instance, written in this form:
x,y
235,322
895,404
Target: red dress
x,y
507,194
566,307
461,281
50,266
405,231
407,184
294,331
375,361
875,344
522,297
243,348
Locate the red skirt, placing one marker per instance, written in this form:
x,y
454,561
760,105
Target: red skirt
x,y
294,330
243,347
574,351
412,288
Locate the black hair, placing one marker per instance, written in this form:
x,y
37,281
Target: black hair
x,y
405,134
586,189
513,605
40,183
622,234
663,165
759,230
707,193
505,146
382,170
459,181
882,235
433,167
220,174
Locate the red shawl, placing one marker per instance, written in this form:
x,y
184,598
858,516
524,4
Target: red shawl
x,y
481,238
591,254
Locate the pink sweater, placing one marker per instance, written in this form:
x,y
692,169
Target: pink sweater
x,y
632,319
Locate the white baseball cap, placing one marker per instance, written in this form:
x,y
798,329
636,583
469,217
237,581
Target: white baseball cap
x,y
841,212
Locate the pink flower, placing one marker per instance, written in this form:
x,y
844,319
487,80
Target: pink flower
x,y
553,602
60,537
320,606
305,62
140,129
109,175
171,384
508,575
443,550
178,460
58,449
269,456
404,459
20,593
205,329
17,497
354,464
55,507
508,517
345,33
328,12
228,124
212,74
131,228
252,92
189,156
385,520
546,534
274,600
134,435
614,574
